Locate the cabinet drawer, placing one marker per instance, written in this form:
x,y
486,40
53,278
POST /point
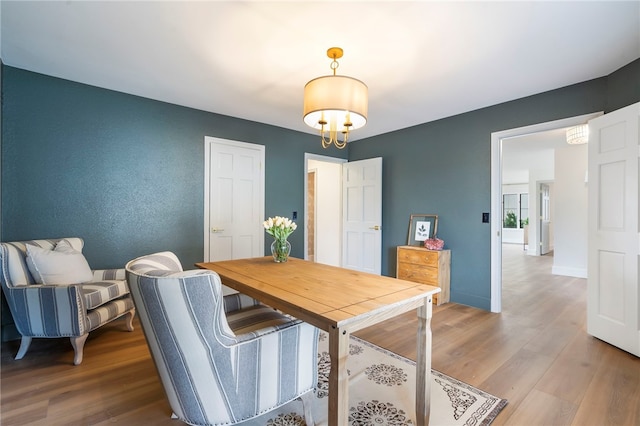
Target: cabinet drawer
x,y
417,273
423,257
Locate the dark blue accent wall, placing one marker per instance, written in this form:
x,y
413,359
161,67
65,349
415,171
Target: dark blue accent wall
x,y
124,172
623,86
444,168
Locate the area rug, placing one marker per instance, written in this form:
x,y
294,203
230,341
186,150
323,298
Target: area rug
x,y
382,392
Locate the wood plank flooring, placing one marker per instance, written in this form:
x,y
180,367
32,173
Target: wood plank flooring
x,y
536,353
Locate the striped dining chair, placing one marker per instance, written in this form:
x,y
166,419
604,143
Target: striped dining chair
x,y
221,359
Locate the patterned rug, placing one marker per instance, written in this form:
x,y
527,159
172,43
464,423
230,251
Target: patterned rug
x,y
382,392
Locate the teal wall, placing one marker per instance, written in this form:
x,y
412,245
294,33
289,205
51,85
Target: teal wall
x,y
444,167
623,86
124,172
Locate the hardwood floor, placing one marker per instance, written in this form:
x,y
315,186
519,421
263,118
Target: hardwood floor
x,y
536,354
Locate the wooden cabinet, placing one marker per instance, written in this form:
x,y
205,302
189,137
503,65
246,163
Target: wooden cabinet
x,y
427,267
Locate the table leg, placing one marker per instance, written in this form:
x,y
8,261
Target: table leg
x,y
338,378
423,364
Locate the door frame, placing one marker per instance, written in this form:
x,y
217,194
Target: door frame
x,y
496,192
208,142
326,159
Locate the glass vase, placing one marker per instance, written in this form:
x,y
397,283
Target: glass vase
x,y
280,250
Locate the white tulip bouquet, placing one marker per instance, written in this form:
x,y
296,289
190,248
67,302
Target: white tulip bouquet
x,y
280,228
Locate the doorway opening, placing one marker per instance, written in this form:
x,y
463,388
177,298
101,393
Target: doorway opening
x,y
497,206
323,213
311,215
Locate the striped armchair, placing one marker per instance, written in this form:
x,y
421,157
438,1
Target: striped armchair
x,y
221,359
69,310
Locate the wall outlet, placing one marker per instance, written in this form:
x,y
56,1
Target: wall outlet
x,y
295,215
485,217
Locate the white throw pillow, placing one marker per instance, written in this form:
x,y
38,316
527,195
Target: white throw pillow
x,y
61,266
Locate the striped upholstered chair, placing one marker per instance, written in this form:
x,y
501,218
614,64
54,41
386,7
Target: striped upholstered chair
x,y
221,359
60,305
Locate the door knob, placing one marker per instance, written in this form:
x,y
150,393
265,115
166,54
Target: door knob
x,y
375,228
217,229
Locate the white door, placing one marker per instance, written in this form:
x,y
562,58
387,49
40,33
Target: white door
x,y
234,200
545,218
362,215
613,240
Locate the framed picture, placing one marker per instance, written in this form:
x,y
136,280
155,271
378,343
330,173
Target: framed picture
x,y
422,227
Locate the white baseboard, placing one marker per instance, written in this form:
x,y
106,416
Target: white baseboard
x,y
569,272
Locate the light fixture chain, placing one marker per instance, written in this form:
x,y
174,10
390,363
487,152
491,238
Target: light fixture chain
x,y
334,66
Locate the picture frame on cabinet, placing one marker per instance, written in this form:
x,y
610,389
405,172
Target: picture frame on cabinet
x,y
421,227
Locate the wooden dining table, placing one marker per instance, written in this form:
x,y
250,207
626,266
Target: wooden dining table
x,y
339,301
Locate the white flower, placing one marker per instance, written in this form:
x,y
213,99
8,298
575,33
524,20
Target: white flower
x,y
280,227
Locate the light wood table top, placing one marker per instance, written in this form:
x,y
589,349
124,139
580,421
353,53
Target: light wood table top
x,y
339,301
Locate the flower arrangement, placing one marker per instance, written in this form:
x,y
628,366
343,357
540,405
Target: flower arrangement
x,y
280,228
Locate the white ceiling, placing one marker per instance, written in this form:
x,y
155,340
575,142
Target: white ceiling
x,y
422,60
534,151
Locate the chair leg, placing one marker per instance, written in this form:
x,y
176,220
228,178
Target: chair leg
x,y
24,346
130,315
78,347
307,402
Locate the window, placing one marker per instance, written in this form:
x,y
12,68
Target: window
x,y
524,210
510,211
515,210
